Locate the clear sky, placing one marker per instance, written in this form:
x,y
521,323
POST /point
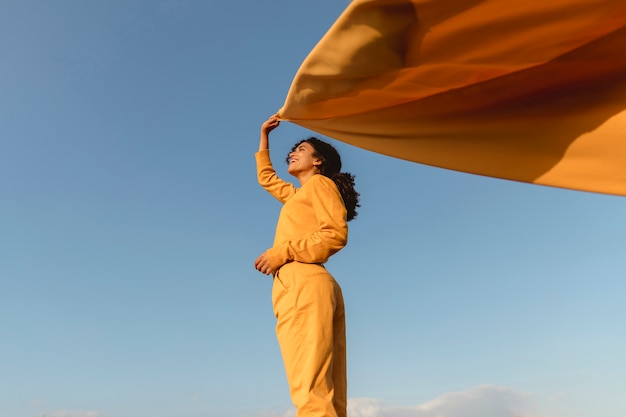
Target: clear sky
x,y
130,219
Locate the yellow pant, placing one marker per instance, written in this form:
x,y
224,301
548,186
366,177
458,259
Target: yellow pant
x,y
311,331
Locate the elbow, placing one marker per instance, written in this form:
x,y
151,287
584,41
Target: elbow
x,y
341,240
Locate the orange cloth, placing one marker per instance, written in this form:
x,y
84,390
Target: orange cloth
x,y
532,91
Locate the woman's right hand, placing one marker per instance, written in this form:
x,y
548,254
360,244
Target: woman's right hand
x,y
270,124
267,126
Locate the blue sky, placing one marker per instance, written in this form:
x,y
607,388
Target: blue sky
x,y
130,219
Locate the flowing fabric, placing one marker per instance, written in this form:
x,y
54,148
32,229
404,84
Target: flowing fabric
x,y
526,90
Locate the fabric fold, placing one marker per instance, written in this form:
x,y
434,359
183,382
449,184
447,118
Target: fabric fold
x,y
526,91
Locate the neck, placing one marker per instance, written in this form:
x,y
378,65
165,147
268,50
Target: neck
x,y
303,177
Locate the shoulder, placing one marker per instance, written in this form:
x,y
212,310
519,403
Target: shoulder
x,y
320,181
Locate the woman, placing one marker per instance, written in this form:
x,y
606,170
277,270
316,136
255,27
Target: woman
x,y
307,301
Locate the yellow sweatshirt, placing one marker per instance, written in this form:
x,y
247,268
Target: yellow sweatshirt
x,y
312,223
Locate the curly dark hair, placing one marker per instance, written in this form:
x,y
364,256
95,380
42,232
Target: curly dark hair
x,y
331,168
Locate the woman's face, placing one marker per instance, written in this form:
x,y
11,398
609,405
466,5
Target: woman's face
x,y
302,160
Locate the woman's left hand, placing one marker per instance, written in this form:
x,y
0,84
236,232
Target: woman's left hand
x,y
263,265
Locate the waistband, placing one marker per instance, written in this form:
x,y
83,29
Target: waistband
x,y
295,264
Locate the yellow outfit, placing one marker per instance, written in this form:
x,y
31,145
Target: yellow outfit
x,y
308,303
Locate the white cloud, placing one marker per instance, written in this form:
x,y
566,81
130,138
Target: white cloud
x,y
364,407
482,401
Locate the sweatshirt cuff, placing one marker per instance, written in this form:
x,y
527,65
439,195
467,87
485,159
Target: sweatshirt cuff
x,y
263,155
277,256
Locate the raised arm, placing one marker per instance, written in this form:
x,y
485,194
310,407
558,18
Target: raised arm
x,y
267,126
280,189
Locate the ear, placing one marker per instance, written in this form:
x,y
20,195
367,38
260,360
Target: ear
x,y
317,162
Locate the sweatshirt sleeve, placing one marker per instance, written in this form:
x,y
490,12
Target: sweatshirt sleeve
x,y
331,233
280,189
